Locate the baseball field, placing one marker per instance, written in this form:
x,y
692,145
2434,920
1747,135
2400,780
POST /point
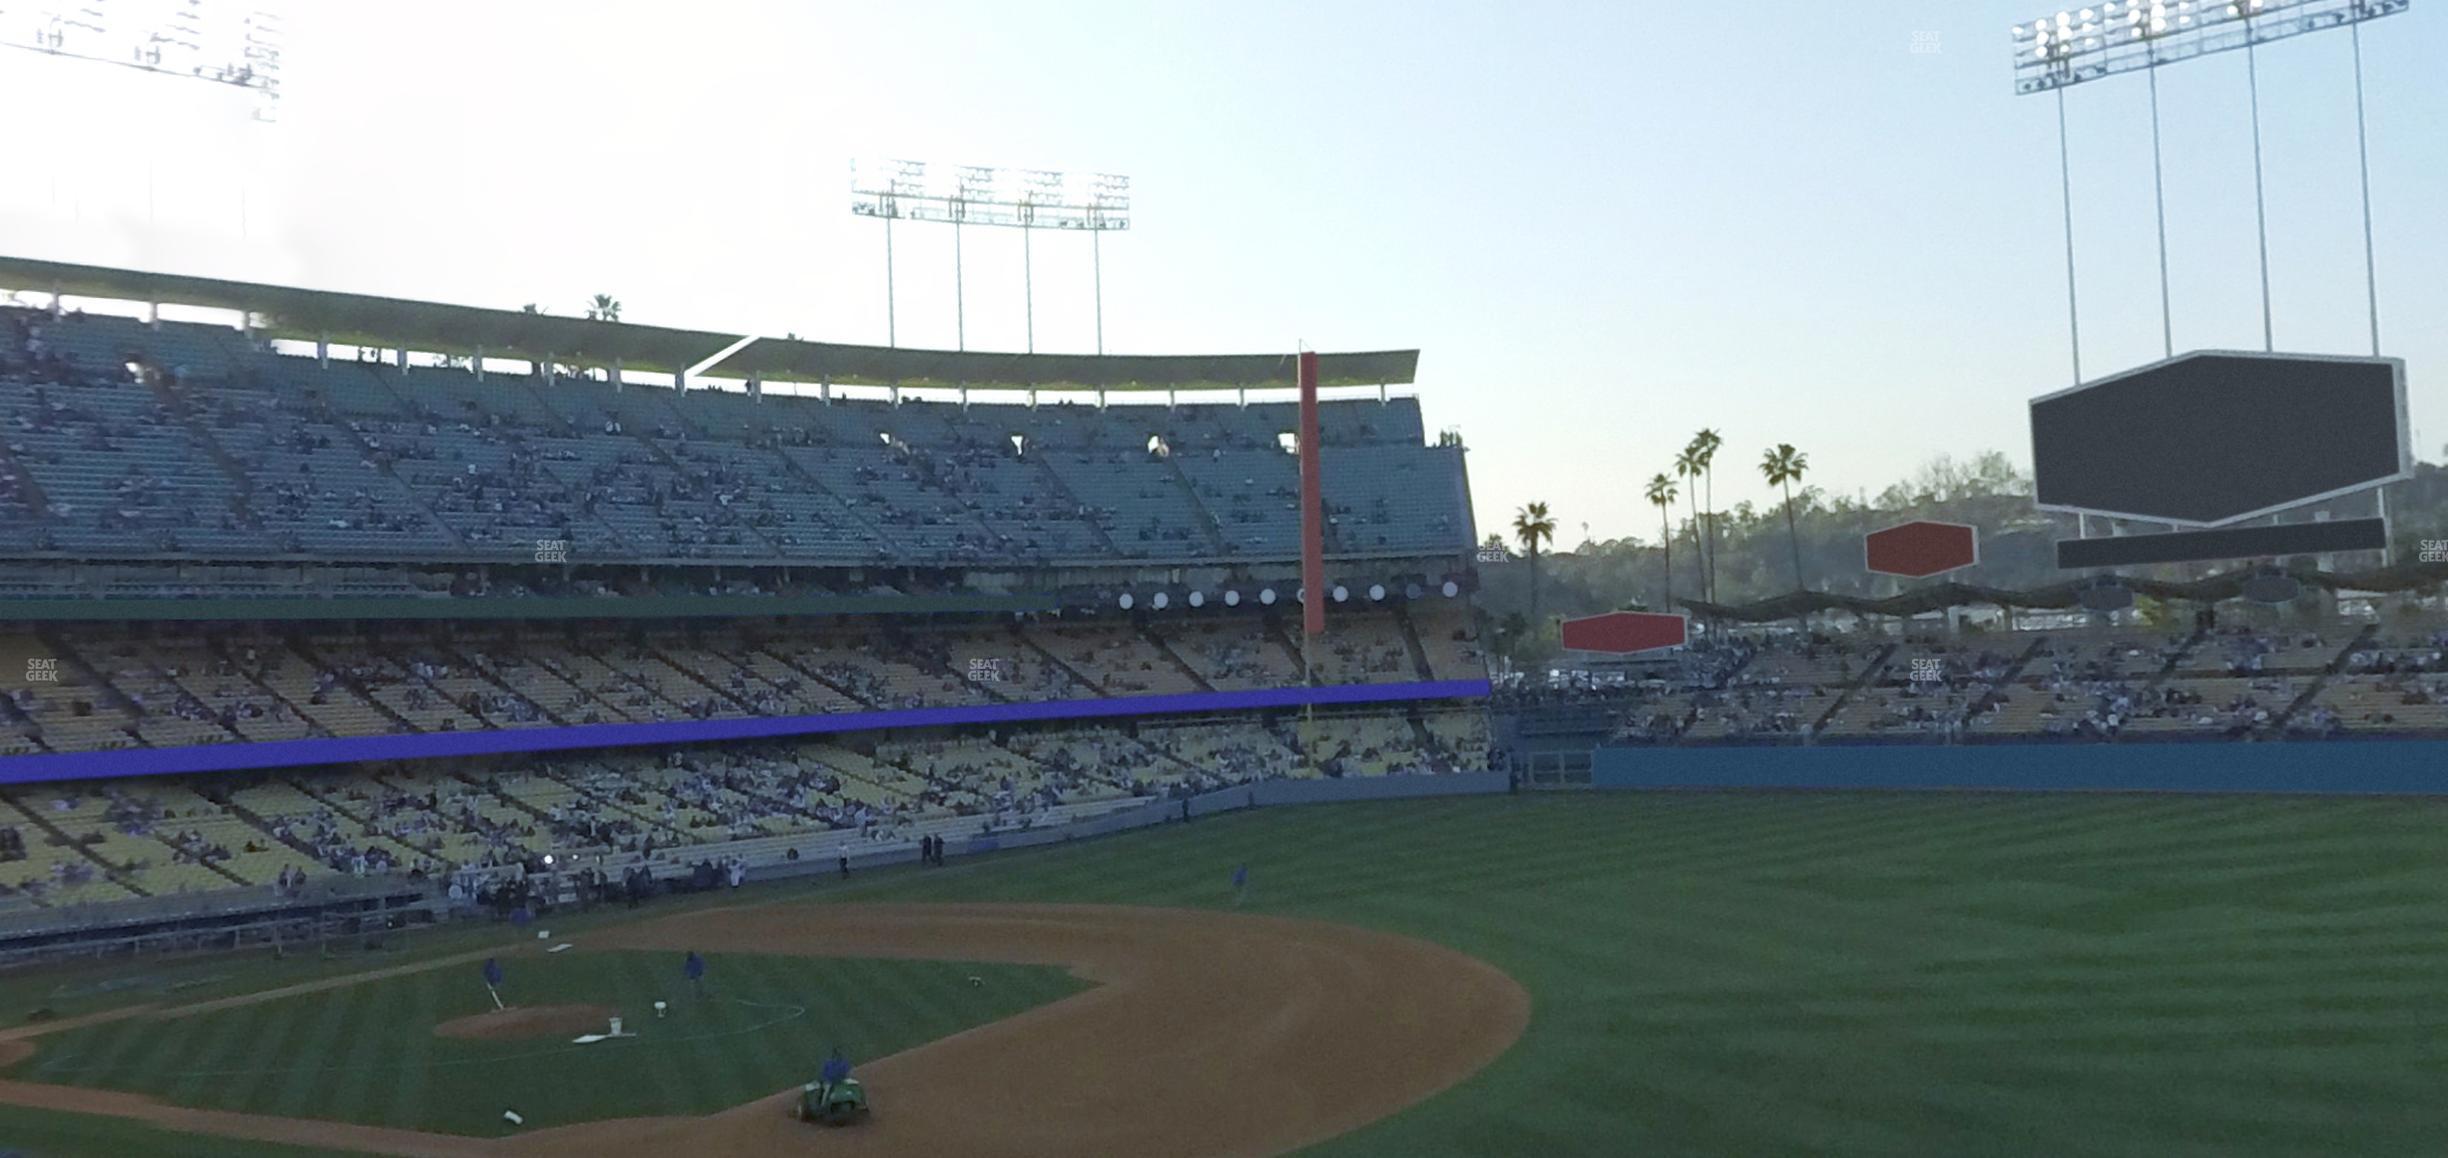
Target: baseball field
x,y
1655,974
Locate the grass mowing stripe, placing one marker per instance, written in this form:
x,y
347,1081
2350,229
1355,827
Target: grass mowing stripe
x,y
94,1055
787,1051
221,1047
369,1053
164,1052
724,1062
403,1102
299,1087
269,1043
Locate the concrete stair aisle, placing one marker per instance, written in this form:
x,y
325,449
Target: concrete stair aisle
x,y
1046,656
2013,672
110,724
1871,671
1411,643
54,844
2319,682
1104,537
1163,645
1208,523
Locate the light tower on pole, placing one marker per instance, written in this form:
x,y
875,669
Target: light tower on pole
x,y
2114,37
1023,199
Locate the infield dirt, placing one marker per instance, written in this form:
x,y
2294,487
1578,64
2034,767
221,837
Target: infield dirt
x,y
1205,1034
524,1022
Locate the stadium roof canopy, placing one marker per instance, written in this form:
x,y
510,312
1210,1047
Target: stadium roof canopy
x,y
2063,595
430,327
788,360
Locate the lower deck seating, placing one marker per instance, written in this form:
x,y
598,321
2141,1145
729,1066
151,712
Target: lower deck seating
x,y
120,839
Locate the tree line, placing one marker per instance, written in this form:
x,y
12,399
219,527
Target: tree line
x,y
1811,539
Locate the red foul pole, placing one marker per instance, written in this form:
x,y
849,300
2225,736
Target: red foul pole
x,y
1313,502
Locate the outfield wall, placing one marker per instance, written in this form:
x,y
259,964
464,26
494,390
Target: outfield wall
x,y
2351,767
1264,794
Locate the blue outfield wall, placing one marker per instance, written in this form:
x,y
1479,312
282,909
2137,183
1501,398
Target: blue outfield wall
x,y
493,741
2363,767
1164,810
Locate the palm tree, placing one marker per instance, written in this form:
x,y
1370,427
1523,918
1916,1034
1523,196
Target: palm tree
x,y
1783,466
1687,465
1532,525
1704,450
1662,493
605,308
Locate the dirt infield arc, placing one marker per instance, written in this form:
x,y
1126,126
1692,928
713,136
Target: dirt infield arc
x,y
1206,1034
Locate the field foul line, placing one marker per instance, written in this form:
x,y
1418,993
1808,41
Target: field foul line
x,y
52,1066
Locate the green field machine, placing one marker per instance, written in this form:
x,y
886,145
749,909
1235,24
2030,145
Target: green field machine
x,y
838,1104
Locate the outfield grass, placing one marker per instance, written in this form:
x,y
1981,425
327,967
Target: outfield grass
x,y
367,1052
1827,973
53,1134
1888,974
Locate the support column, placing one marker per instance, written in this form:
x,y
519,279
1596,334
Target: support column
x,y
824,388
616,375
2167,317
476,364
2371,265
2252,72
1313,516
323,351
153,315
2065,178
399,357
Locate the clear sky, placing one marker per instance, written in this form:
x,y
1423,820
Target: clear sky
x,y
1604,225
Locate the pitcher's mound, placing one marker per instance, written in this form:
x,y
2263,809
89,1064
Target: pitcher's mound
x,y
523,1021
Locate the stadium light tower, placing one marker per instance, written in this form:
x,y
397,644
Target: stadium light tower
x,y
208,40
2077,45
1023,199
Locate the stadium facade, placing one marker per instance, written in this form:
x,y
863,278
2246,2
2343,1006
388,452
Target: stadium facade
x,y
323,591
